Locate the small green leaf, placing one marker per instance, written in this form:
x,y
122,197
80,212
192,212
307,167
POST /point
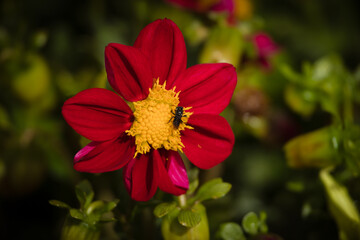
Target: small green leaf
x,y
230,231
250,223
290,74
341,206
163,209
213,189
111,205
59,204
193,176
75,213
263,228
98,208
188,218
84,193
192,187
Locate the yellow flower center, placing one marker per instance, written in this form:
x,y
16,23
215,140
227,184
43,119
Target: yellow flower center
x,y
154,124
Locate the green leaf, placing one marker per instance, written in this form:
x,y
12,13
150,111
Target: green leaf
x,y
341,207
194,180
75,213
189,218
163,209
213,189
192,187
32,82
59,204
290,74
98,208
230,231
250,223
263,228
84,193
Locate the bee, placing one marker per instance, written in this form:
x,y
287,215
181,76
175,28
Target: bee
x,y
177,116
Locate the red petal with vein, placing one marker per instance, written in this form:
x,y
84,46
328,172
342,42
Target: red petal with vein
x,y
144,181
163,43
105,156
85,150
210,142
207,88
97,114
128,71
169,183
127,174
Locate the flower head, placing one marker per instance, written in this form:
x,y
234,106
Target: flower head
x,y
175,109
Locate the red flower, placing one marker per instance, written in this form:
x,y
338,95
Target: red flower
x,y
152,74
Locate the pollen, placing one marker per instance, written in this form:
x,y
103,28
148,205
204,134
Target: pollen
x,y
153,120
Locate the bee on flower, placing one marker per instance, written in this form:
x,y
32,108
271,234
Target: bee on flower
x,y
142,139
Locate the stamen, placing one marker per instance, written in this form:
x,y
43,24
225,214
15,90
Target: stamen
x,y
153,125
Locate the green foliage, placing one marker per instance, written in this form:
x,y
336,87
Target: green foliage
x,y
253,225
213,189
225,44
314,149
193,181
84,194
59,204
164,208
230,231
90,212
33,82
189,218
186,224
341,207
324,83
188,214
350,148
250,223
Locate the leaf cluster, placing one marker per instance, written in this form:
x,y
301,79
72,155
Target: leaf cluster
x,y
188,215
252,227
90,212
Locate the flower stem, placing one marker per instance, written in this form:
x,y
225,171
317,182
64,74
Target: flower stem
x,y
182,200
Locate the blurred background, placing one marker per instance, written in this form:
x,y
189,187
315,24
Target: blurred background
x,y
294,111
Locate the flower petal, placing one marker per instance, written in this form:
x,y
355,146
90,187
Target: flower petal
x,y
85,150
207,88
176,170
140,178
97,114
210,142
128,71
98,157
176,181
163,43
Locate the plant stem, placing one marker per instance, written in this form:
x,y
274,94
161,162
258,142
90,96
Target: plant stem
x,y
182,200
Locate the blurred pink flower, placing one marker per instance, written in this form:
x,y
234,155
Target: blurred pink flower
x,y
207,5
265,48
